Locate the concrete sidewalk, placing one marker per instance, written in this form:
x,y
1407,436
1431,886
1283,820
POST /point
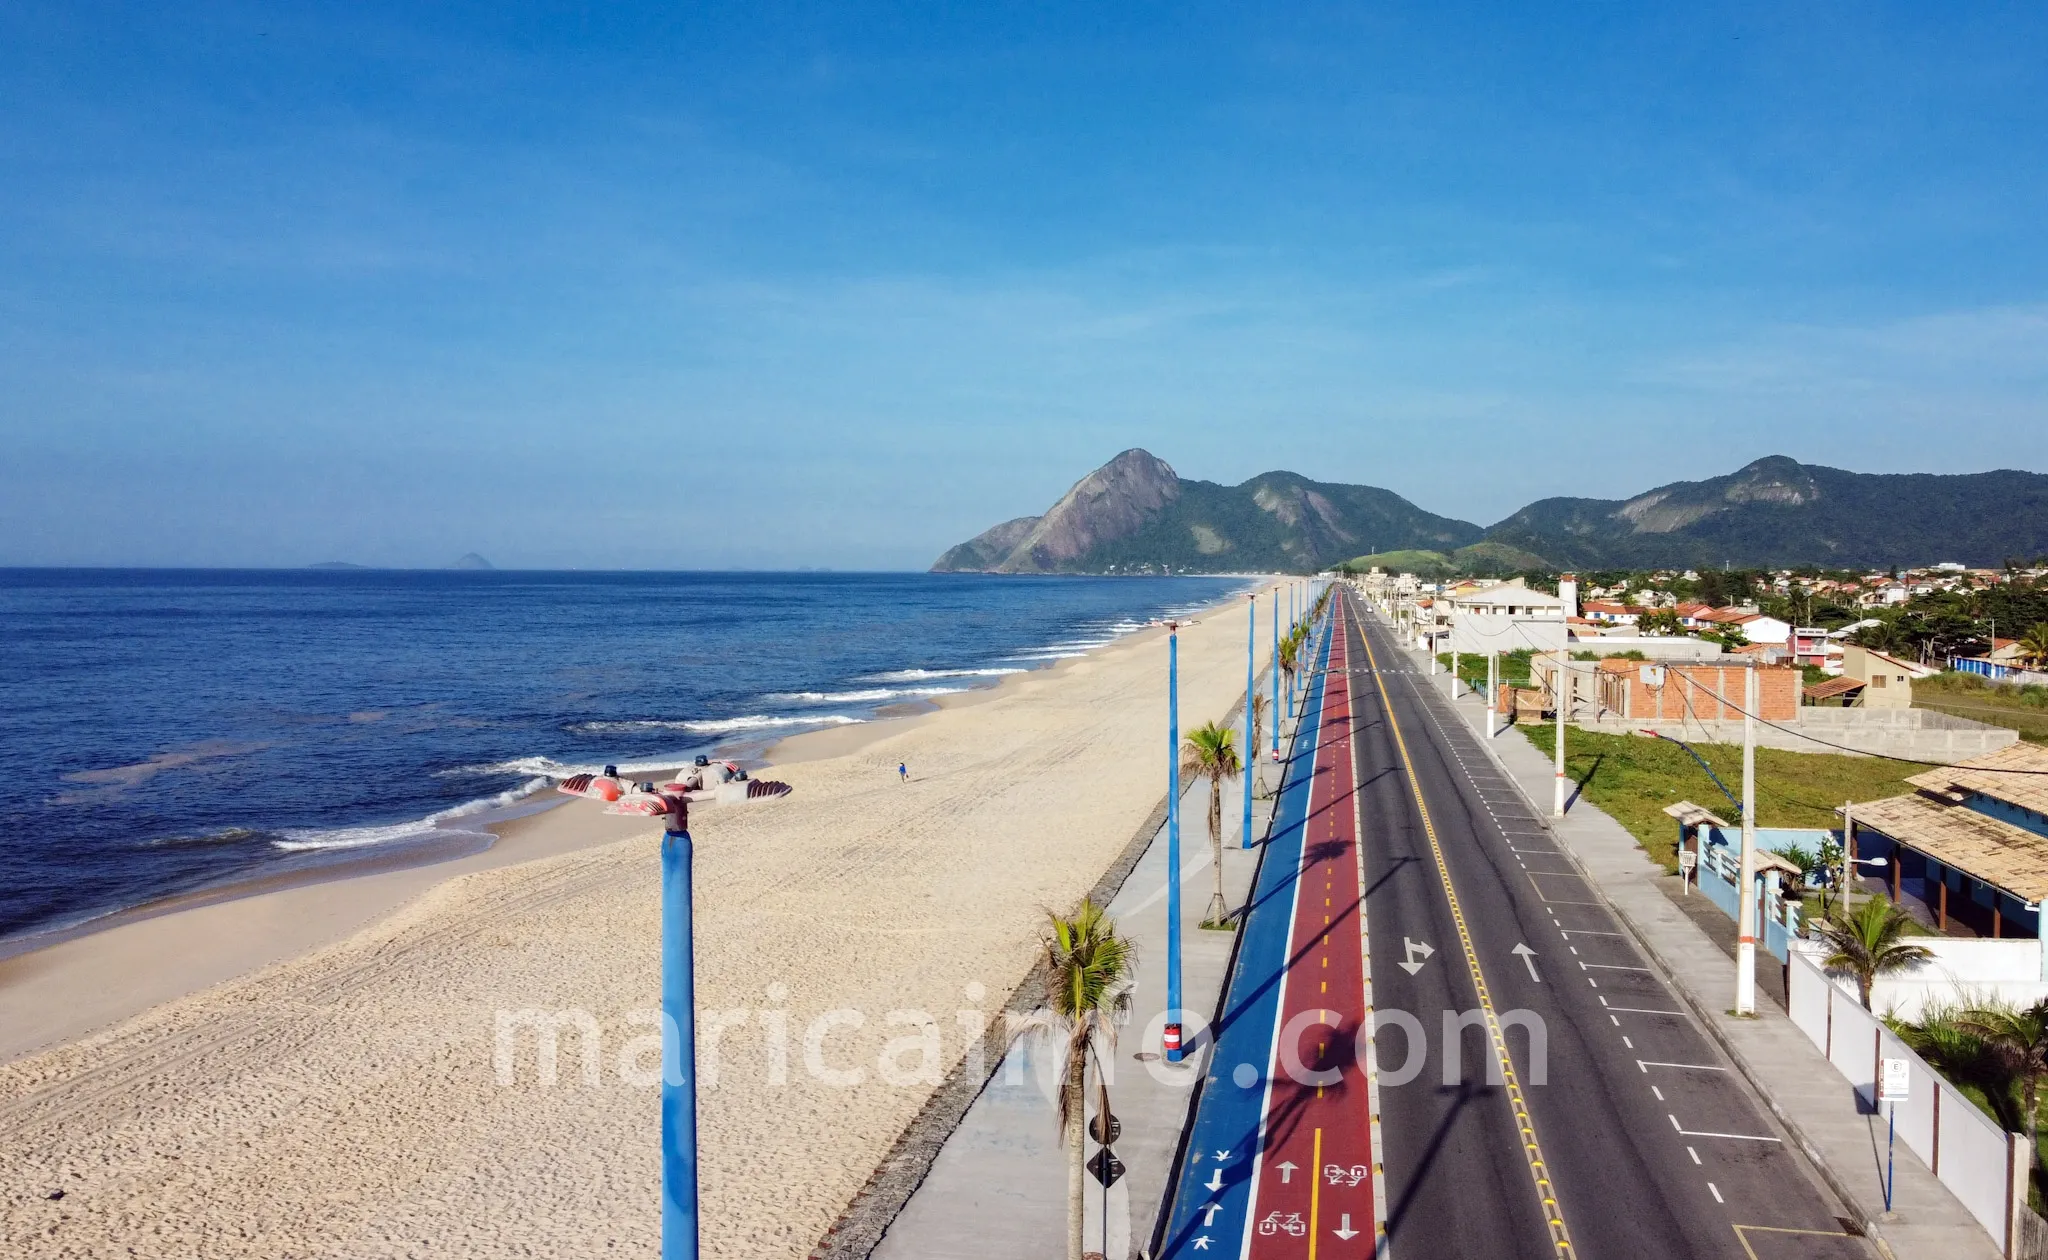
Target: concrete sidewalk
x,y
998,1186
1816,1105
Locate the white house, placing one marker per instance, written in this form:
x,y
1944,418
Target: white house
x,y
1758,628
1504,617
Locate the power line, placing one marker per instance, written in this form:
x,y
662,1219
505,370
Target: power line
x,y
1908,761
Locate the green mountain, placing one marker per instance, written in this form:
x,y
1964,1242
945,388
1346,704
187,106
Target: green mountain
x,y
1483,558
1778,512
1135,515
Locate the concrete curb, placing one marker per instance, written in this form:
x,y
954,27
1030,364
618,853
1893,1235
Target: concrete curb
x,y
1833,1180
861,1226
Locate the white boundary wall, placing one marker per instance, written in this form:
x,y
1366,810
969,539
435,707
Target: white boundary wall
x,y
1963,973
1480,633
1982,1165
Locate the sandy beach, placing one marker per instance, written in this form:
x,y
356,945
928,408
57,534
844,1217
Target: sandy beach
x,y
344,1069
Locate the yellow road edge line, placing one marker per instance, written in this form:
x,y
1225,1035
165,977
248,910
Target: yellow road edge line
x,y
1532,1151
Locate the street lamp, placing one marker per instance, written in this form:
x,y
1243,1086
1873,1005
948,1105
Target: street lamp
x,y
1251,754
678,1024
1273,690
1172,1034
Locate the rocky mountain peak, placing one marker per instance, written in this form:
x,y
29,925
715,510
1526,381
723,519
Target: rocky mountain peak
x,y
1113,502
1773,479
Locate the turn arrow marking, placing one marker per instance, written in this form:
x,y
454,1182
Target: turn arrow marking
x,y
1529,957
1413,948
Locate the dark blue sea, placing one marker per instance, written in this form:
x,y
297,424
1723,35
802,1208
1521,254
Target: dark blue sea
x,y
167,731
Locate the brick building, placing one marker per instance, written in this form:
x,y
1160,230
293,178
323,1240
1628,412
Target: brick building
x,y
1654,691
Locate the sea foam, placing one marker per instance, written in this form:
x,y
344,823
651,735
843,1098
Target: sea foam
x,y
716,726
870,695
300,839
918,675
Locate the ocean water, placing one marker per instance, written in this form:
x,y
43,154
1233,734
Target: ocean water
x,y
167,731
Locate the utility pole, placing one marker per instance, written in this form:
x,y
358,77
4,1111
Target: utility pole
x,y
1492,690
1745,938
1559,698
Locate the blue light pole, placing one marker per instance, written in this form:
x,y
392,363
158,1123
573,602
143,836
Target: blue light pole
x,y
1273,692
1172,1034
1251,754
678,1052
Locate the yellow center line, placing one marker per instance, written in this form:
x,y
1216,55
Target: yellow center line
x,y
1315,1195
1560,1237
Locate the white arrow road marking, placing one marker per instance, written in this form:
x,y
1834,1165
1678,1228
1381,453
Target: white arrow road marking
x,y
1528,956
1414,948
1209,1213
1286,1172
1215,1181
1345,1231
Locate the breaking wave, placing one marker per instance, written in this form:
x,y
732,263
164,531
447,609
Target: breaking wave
x,y
718,726
918,675
300,839
869,696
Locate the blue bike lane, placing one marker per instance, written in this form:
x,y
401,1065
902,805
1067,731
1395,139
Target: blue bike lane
x,y
1210,1197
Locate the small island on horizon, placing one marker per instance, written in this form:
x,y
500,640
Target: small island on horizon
x,y
469,560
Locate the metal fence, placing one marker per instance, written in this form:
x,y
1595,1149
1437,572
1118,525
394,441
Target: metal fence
x,y
1997,672
1779,916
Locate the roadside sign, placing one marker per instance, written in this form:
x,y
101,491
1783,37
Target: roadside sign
x,y
1116,1129
1892,1078
1105,1167
1687,859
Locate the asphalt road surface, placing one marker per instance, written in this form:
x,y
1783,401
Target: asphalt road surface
x,y
1614,1128
1526,1085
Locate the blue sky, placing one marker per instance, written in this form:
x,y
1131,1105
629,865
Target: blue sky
x,y
766,284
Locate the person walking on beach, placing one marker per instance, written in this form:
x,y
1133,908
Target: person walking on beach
x,y
902,772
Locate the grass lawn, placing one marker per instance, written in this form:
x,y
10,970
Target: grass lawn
x,y
1632,778
2023,709
1514,668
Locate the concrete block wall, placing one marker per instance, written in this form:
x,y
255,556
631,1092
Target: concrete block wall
x,y
1918,734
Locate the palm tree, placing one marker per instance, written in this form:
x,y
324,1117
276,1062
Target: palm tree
x,y
1290,657
1958,1053
1210,751
1866,944
1088,967
1885,636
1299,636
2017,1038
2034,643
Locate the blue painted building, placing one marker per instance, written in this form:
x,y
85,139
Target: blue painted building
x,y
1969,845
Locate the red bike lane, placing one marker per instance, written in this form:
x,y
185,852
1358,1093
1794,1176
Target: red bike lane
x,y
1315,1181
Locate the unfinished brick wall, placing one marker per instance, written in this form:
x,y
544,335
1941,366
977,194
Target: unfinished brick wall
x,y
1694,691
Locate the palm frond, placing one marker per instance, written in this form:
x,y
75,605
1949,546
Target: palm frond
x,y
1209,751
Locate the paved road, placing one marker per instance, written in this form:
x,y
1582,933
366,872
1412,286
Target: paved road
x,y
1279,1161
1587,1114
